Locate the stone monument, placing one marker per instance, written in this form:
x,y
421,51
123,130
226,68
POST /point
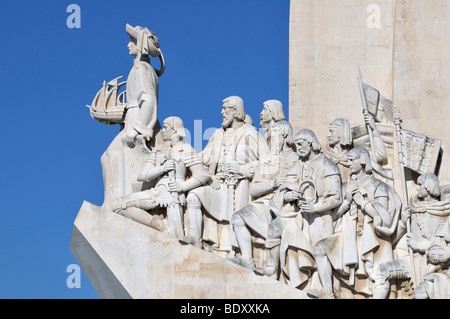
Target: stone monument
x,y
401,47
383,58
349,199
137,244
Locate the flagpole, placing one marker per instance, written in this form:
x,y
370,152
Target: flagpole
x,y
365,110
397,123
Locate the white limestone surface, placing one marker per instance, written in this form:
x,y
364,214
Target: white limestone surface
x,y
405,57
124,259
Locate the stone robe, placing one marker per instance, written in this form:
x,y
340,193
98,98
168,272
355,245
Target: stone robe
x,y
361,242
121,164
303,231
257,215
228,193
437,276
142,86
429,221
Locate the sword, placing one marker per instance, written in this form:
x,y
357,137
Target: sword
x,y
174,210
231,182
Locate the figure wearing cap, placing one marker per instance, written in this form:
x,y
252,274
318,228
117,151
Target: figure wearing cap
x,y
142,86
340,142
122,161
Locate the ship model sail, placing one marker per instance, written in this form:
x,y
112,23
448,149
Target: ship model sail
x,y
108,106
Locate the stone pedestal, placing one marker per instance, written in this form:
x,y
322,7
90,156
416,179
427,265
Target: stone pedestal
x,y
405,57
124,259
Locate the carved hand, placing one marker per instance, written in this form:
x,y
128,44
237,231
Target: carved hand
x,y
292,196
234,168
350,191
359,200
131,138
148,138
406,214
414,243
348,196
168,165
308,207
368,119
175,187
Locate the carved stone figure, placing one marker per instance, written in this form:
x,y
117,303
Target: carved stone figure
x,y
253,220
436,280
169,165
272,112
429,240
142,85
366,223
326,217
340,141
230,156
311,192
122,161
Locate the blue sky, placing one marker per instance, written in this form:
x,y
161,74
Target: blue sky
x,y
49,73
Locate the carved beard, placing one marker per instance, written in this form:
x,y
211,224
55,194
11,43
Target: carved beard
x,y
226,123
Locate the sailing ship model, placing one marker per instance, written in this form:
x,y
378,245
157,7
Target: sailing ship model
x,y
108,106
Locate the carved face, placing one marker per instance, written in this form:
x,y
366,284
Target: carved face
x,y
132,47
265,117
304,147
355,165
168,133
333,135
421,191
228,112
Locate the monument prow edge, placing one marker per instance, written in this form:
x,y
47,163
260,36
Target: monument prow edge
x,y
125,259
